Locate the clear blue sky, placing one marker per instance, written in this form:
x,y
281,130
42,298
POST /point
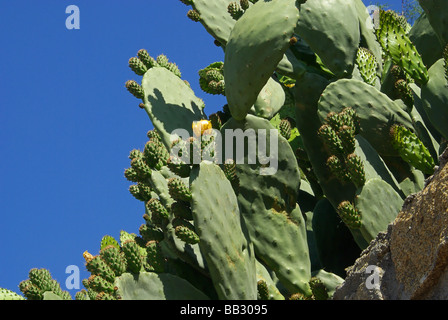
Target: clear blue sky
x,y
67,123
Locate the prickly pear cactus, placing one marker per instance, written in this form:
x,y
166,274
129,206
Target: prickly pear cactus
x,y
329,125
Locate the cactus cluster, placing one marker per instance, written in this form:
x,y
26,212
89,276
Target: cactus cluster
x,y
358,119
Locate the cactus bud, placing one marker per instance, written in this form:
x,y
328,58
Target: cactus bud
x,y
174,69
293,41
194,15
178,190
349,214
158,212
244,4
263,290
347,137
285,128
131,175
235,10
331,139
184,230
155,256
153,135
82,295
141,168
137,66
177,166
229,169
135,154
337,168
30,291
349,118
99,284
333,120
133,257
104,296
41,278
114,259
150,232
298,296
155,154
135,89
356,169
405,93
318,288
147,60
98,266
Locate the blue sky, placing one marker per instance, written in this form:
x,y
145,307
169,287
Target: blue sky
x,y
67,123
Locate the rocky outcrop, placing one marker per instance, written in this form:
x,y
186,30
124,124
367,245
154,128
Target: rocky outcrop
x,y
410,259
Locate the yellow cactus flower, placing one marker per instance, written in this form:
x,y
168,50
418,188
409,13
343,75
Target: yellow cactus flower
x,y
199,127
87,256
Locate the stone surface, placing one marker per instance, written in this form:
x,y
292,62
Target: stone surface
x,y
410,259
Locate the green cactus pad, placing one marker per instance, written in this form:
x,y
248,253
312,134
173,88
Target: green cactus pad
x,y
270,99
109,241
153,286
434,95
377,215
169,103
256,45
374,165
375,111
268,205
52,296
6,294
437,12
215,18
331,28
397,45
223,241
425,40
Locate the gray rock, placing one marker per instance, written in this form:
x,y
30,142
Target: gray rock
x,y
410,259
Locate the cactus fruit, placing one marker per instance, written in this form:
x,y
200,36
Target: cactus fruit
x,y
411,149
397,45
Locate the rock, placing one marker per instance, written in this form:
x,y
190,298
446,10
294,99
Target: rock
x,y
410,259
